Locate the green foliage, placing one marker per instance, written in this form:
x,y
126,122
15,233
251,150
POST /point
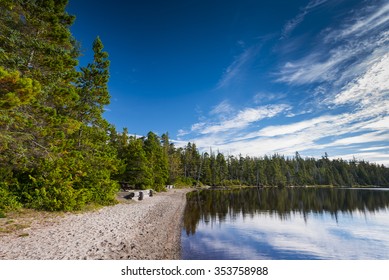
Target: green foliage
x,y
145,161
93,89
16,91
8,201
53,137
69,183
185,182
57,152
158,161
217,170
137,171
187,167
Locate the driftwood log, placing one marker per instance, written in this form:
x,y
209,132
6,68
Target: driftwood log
x,y
129,196
139,194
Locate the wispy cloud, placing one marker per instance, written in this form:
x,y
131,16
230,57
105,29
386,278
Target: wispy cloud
x,y
240,120
376,157
369,88
346,74
351,67
293,23
238,67
344,52
362,24
271,131
367,126
374,148
222,108
363,138
266,97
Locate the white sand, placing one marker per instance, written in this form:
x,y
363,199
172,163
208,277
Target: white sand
x,y
148,229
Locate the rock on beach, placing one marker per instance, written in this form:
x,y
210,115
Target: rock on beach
x,y
141,230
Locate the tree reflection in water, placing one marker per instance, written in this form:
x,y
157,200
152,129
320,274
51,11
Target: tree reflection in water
x,y
211,205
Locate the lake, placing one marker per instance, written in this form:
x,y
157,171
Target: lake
x,y
287,223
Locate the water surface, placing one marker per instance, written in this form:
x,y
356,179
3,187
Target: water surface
x,y
287,223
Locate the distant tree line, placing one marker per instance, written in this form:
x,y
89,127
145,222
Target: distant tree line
x,y
57,152
187,166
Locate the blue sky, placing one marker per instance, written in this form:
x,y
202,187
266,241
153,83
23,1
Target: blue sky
x,y
247,77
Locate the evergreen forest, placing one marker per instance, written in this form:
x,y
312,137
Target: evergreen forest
x,y
58,152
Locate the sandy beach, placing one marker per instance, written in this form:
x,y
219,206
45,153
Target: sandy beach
x,y
141,230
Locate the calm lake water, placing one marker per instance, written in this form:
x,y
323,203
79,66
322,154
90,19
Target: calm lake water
x,y
287,223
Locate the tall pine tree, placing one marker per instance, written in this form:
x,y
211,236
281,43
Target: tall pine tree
x,y
40,122
158,160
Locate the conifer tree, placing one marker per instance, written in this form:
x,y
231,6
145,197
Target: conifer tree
x,y
93,88
16,93
206,173
158,160
174,160
35,41
39,101
137,167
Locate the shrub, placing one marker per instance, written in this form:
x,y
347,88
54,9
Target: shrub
x,y
8,201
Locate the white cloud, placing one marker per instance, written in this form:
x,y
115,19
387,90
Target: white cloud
x,y
310,69
373,157
198,126
260,146
374,148
335,65
222,108
369,88
271,131
342,53
352,68
241,120
182,132
234,138
363,24
364,138
379,124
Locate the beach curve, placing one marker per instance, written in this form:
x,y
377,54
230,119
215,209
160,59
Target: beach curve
x,y
141,230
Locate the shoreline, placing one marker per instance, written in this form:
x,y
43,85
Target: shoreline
x,y
139,230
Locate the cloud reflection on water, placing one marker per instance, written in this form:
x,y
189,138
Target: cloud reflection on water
x,y
310,235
